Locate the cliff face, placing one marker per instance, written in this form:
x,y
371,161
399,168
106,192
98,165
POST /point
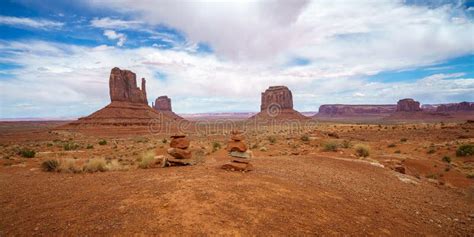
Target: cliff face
x,y
123,87
408,105
355,110
277,95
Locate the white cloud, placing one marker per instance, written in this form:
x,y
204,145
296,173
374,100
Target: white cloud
x,y
29,22
110,23
112,35
78,75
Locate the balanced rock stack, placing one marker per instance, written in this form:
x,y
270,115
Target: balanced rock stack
x,y
240,155
179,151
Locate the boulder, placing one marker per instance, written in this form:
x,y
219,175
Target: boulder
x,y
180,142
279,96
123,87
408,105
162,103
236,146
179,153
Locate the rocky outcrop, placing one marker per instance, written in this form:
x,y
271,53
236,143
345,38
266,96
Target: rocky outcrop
x,y
277,105
456,107
162,103
277,95
335,110
408,105
123,87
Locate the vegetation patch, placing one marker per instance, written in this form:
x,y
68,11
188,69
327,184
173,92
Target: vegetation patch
x,y
362,150
465,150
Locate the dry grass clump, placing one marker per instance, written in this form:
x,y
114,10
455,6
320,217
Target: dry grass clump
x,y
50,165
362,150
69,166
95,165
216,146
147,160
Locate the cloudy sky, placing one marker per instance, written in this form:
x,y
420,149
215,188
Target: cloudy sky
x,y
216,56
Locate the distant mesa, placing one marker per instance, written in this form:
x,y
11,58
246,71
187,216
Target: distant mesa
x,y
163,105
408,105
456,107
341,110
277,104
128,108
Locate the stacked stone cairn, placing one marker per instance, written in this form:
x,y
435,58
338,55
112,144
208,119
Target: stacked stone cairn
x,y
180,152
239,154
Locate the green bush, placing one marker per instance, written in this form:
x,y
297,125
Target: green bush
x,y
465,150
102,142
50,165
26,153
446,159
216,146
330,146
305,138
362,150
70,146
90,146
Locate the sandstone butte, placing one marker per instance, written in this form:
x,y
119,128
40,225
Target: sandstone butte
x,y
163,105
128,107
277,104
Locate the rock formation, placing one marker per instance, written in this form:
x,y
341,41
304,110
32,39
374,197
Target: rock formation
x,y
277,104
123,87
277,95
341,110
408,105
128,109
240,155
179,147
456,107
162,103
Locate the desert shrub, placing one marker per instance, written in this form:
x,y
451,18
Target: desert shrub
x,y
346,144
403,140
272,139
164,141
391,145
254,146
69,166
102,142
90,146
70,146
431,150
50,165
114,165
146,160
431,176
470,176
330,146
49,144
26,153
465,150
304,138
446,159
362,150
95,164
397,152
216,146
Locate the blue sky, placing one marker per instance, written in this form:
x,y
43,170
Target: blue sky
x,y
55,56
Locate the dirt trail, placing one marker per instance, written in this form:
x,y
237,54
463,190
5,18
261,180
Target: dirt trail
x,y
283,196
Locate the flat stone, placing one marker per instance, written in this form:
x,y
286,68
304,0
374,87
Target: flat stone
x,y
236,146
179,153
234,166
240,154
241,160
